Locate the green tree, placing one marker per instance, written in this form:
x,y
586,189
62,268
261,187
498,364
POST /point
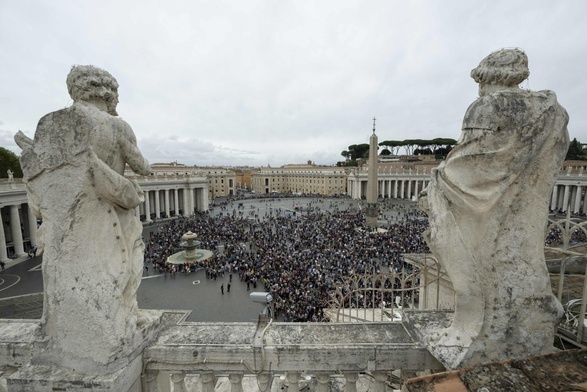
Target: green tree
x,y
349,162
9,160
575,151
354,152
357,151
393,145
442,146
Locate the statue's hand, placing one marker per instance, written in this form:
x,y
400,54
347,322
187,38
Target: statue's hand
x,y
112,186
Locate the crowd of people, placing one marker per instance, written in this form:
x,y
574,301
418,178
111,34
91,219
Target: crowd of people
x,y
299,258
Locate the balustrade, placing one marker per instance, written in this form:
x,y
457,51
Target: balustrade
x,y
294,381
293,354
178,380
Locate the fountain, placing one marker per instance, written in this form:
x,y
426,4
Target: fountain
x,y
190,252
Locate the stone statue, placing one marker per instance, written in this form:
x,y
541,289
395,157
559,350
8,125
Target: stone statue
x,y
93,249
487,205
10,175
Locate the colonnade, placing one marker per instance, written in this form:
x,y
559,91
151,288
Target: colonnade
x,y
569,192
164,198
397,188
166,202
569,196
18,230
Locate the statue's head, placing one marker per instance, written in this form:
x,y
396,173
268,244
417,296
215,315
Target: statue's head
x,y
89,83
505,67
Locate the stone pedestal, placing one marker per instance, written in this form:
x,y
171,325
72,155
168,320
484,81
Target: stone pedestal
x,y
39,378
42,371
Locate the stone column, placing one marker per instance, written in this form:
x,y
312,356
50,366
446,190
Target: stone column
x,y
178,380
157,205
389,189
192,201
166,203
201,200
566,198
293,379
416,193
323,382
176,201
409,195
380,381
264,381
553,199
395,189
578,192
32,226
351,382
3,252
151,378
197,206
572,196
207,381
205,203
401,189
147,207
236,382
187,201
16,231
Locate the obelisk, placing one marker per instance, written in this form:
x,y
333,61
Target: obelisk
x,y
372,188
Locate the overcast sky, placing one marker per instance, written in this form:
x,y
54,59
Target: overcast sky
x,y
281,81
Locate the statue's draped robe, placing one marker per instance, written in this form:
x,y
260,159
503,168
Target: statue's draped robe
x,y
488,206
93,249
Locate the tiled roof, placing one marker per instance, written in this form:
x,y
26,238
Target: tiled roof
x,y
561,371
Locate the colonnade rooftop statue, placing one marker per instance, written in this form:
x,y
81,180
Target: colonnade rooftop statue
x,y
91,238
487,205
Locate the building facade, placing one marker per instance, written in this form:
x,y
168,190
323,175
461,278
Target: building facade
x,y
397,179
298,179
175,189
221,181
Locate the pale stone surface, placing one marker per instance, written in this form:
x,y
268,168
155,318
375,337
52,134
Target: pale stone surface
x,y
93,250
488,204
49,379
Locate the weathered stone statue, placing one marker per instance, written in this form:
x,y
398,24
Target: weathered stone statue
x,y
10,175
93,249
488,204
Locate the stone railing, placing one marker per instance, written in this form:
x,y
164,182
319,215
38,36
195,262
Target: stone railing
x,y
12,185
566,252
164,176
208,357
237,356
